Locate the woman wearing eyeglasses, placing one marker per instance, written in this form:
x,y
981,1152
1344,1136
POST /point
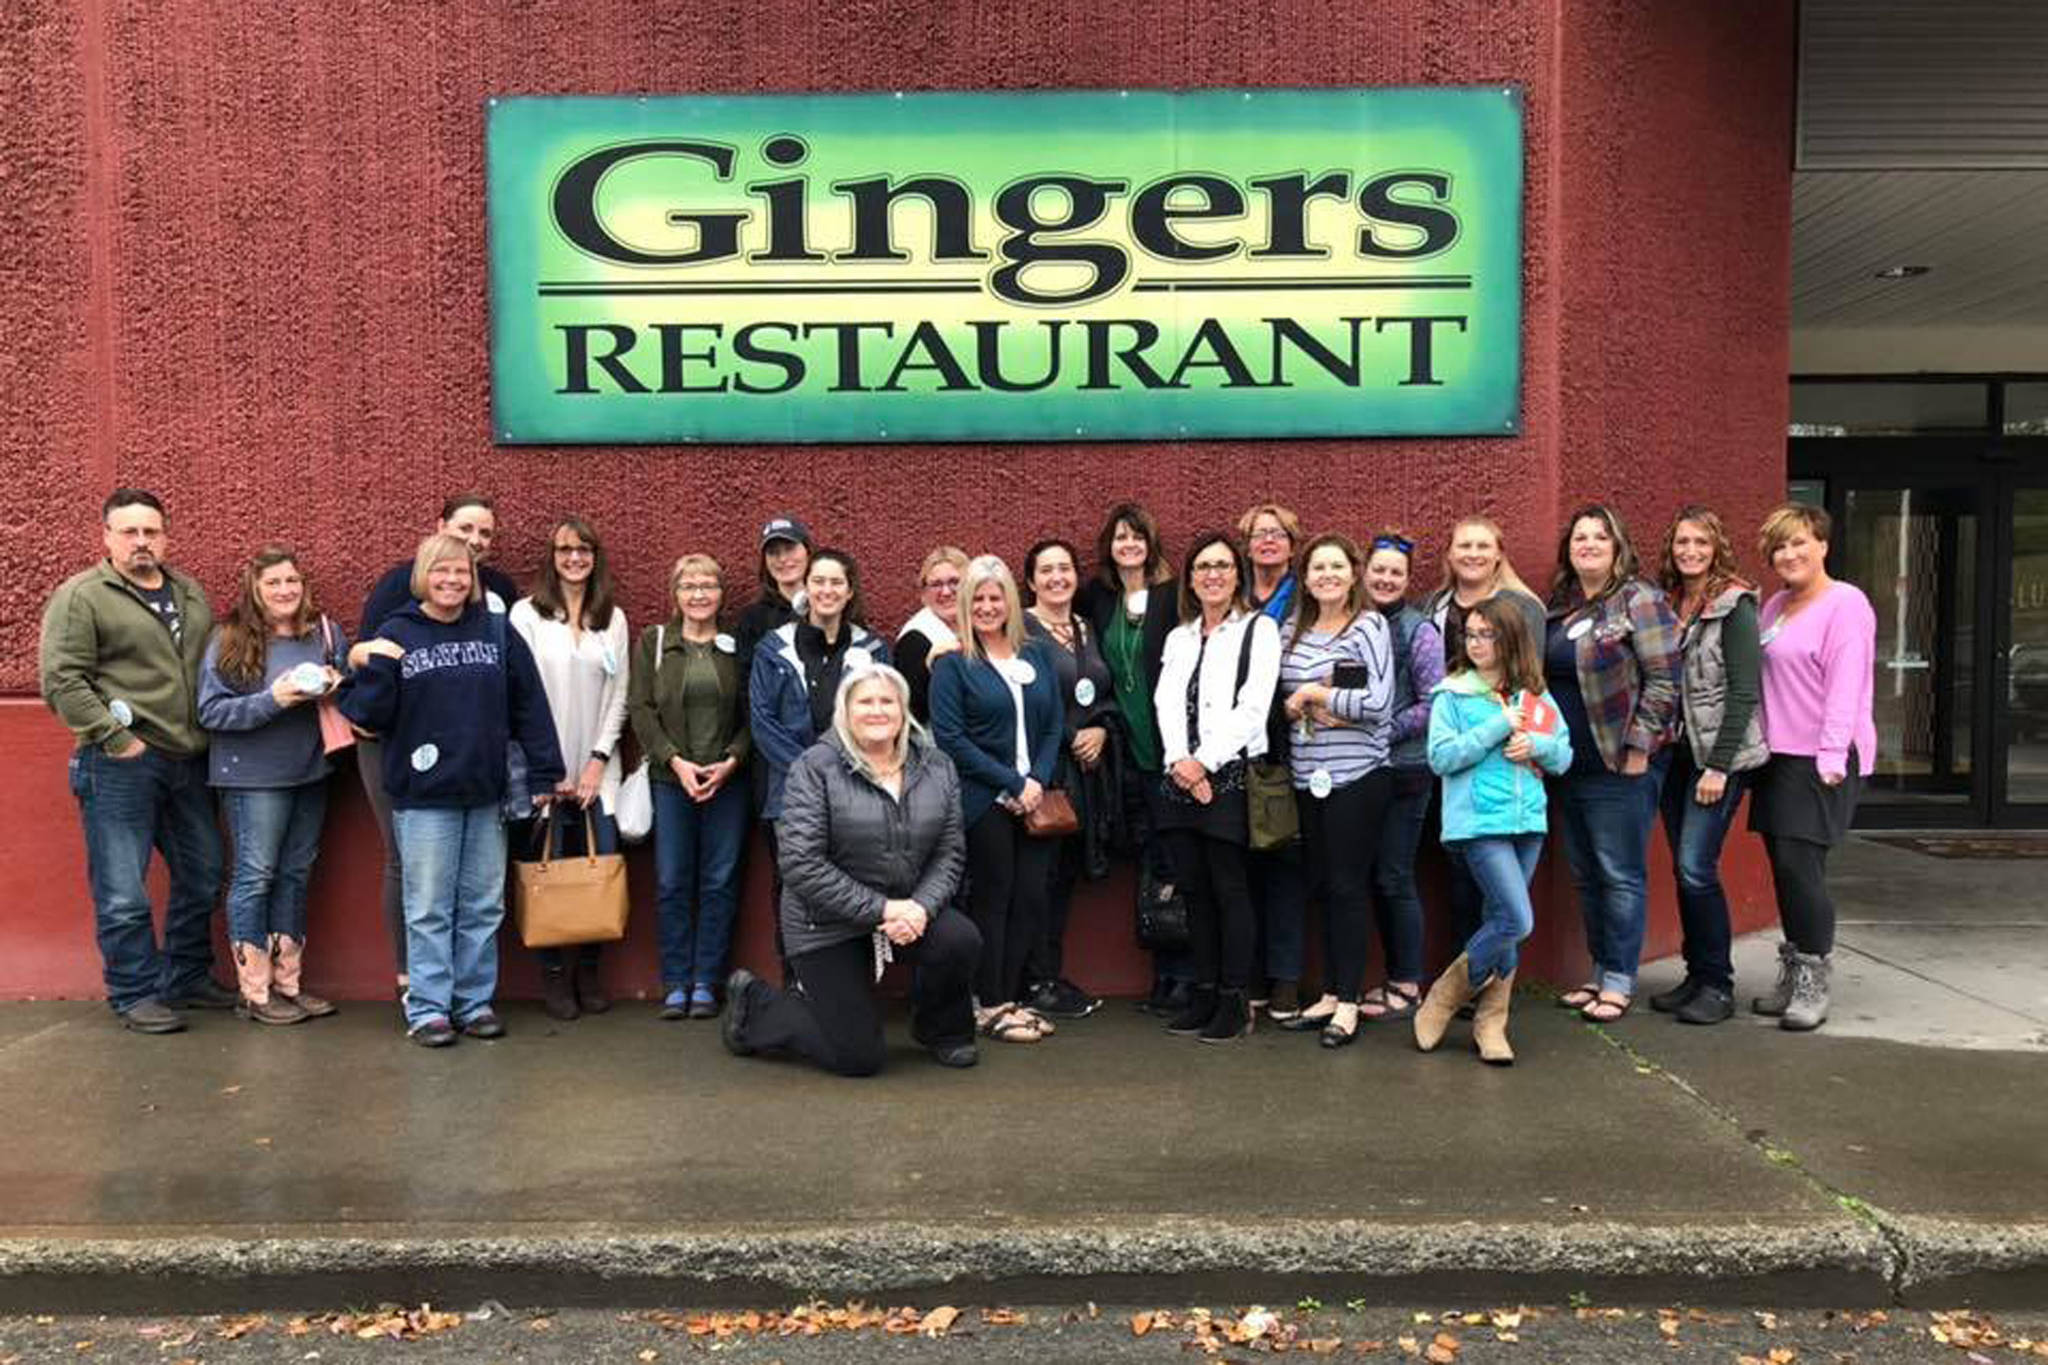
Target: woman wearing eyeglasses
x,y
1418,668
935,628
1271,535
579,641
1216,683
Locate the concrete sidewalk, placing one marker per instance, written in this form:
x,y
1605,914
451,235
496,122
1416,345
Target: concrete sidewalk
x,y
620,1160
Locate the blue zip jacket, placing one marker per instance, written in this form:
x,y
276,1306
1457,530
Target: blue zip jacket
x,y
1486,794
975,723
464,691
779,704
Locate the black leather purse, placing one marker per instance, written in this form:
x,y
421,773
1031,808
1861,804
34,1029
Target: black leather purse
x,y
1162,913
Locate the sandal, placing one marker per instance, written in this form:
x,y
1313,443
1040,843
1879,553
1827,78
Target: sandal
x,y
1606,1007
1389,1001
1578,998
1011,1025
1334,1036
1045,1026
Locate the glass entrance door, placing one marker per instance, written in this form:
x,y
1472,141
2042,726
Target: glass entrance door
x,y
1913,549
2026,658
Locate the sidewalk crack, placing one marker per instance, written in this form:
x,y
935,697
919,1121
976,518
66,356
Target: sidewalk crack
x,y
1898,1266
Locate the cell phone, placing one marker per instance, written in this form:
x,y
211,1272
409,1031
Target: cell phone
x,y
1347,676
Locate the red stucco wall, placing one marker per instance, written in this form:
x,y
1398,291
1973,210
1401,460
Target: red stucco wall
x,y
245,266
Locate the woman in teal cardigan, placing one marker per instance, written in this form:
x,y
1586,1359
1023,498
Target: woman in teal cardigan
x,y
996,713
1492,736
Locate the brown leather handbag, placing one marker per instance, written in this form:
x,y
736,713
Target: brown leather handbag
x,y
579,898
1055,817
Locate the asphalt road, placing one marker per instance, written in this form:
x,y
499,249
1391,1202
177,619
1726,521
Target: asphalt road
x,y
1040,1334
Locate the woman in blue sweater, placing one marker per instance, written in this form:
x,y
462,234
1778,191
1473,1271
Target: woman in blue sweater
x,y
266,668
1492,736
996,713
448,687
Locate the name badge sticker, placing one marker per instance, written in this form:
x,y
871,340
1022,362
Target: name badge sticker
x,y
1578,629
1319,784
123,714
1084,692
608,660
425,757
726,644
1770,634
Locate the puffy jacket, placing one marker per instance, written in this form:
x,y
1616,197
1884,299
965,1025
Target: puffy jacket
x,y
1710,690
1485,792
779,702
847,846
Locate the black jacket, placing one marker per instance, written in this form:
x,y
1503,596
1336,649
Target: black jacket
x,y
847,846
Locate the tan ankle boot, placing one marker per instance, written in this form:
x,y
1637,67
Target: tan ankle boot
x,y
1490,1022
289,958
1434,1015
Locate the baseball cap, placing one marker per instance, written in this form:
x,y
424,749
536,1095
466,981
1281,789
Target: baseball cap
x,y
785,528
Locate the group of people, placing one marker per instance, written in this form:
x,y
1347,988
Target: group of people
x,y
1266,727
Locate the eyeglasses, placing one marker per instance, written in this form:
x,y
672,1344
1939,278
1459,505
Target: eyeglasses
x,y
1405,546
943,584
696,589
1270,533
1483,633
1216,569
574,552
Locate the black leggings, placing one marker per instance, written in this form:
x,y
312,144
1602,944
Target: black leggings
x,y
835,1020
1222,927
1009,876
1342,835
1799,874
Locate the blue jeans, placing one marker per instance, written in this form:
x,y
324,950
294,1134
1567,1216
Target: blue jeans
x,y
1279,883
1502,866
454,861
129,806
277,836
1607,820
1696,833
1399,903
697,848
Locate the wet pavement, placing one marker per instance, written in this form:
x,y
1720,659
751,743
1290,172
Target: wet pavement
x,y
623,1160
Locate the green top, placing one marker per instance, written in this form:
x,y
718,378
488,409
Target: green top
x,y
1123,645
691,703
1742,662
111,668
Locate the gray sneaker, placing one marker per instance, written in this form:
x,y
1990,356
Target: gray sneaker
x,y
1775,1004
152,1016
1809,1007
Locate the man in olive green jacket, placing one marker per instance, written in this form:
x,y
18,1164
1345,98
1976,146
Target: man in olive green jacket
x,y
121,648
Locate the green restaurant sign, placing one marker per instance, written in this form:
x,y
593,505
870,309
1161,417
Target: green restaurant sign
x,y
1070,266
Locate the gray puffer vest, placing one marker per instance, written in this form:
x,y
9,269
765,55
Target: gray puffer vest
x,y
1703,686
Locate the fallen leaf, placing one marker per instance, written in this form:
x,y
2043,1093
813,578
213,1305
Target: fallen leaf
x,y
1504,1319
231,1090
239,1328
648,1355
1782,1355
1409,1344
1767,1321
1324,1346
938,1322
1003,1317
540,1325
1141,1323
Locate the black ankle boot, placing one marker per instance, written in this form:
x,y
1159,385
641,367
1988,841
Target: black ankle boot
x,y
1232,1019
1201,1008
557,996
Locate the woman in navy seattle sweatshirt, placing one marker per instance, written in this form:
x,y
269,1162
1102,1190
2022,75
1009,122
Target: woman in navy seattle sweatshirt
x,y
447,688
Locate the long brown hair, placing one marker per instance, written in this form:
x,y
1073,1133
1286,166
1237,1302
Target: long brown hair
x,y
1627,566
549,596
242,652
1306,608
1157,570
1521,668
1722,574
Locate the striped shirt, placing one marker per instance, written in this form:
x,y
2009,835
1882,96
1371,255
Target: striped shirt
x,y
1350,750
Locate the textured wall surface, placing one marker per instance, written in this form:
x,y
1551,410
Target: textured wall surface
x,y
245,265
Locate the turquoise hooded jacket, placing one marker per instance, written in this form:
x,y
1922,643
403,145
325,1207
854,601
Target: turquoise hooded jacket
x,y
1487,794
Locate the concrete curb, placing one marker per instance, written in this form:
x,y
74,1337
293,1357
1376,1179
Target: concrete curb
x,y
1948,1262
1835,1261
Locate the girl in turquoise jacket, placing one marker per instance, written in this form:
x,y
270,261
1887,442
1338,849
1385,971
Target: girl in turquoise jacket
x,y
1492,736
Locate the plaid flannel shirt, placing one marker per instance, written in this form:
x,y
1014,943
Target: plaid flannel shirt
x,y
1628,667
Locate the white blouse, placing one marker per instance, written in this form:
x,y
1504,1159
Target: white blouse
x,y
585,682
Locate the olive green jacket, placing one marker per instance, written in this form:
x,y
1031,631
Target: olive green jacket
x,y
110,669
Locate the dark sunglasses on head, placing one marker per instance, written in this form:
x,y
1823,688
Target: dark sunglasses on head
x,y
1406,547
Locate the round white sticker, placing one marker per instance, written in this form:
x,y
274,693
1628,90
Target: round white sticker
x,y
1769,635
425,757
494,602
1084,692
1579,629
1319,783
726,644
858,658
121,712
310,679
1019,671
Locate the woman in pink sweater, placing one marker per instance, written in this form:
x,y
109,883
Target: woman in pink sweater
x,y
1819,640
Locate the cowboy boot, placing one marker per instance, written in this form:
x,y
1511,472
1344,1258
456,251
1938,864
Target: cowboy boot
x,y
288,962
258,1004
1433,1016
1809,1005
1490,1021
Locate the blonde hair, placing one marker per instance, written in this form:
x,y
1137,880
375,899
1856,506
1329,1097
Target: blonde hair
x,y
1504,575
438,548
990,569
695,563
1788,521
1289,523
945,554
910,733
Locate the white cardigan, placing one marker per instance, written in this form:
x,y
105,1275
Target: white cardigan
x,y
1233,719
585,682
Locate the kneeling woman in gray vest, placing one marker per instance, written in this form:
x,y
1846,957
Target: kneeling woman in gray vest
x,y
871,851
